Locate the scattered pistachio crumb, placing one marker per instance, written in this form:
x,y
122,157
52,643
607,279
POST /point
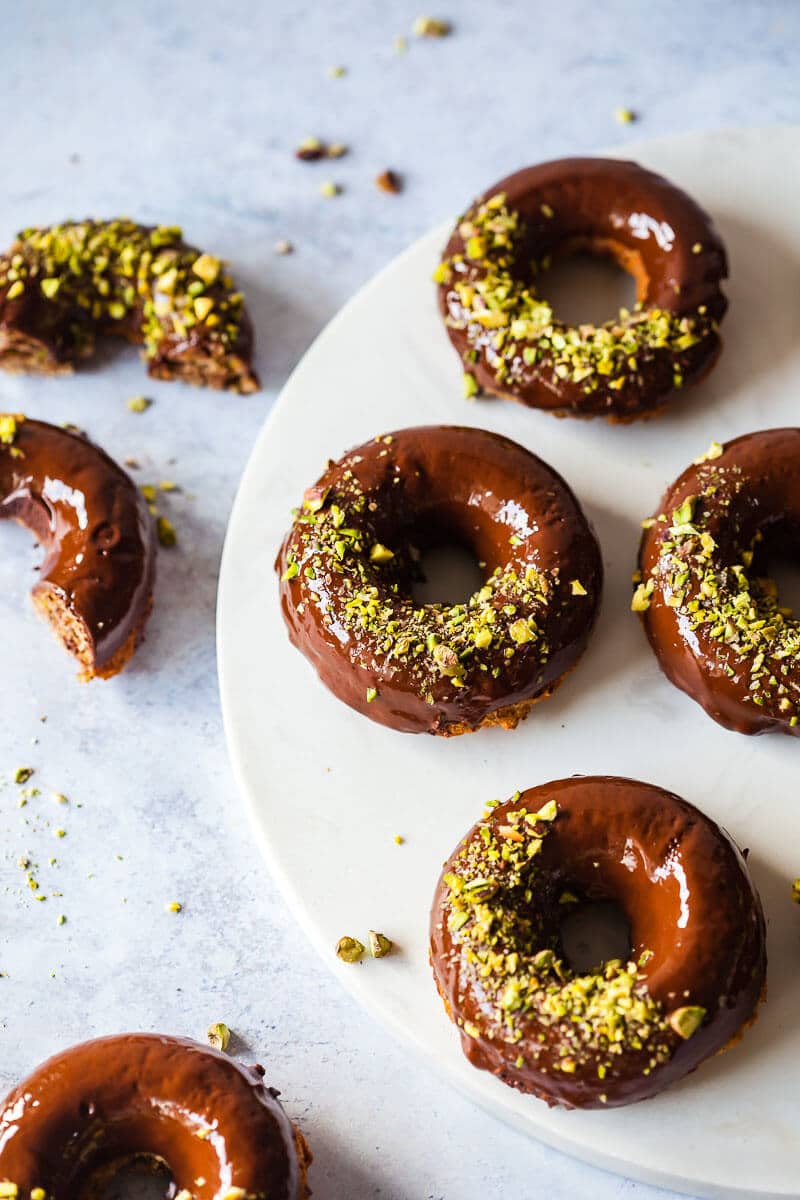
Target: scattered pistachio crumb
x,y
379,944
577,588
311,149
337,72
329,189
389,181
62,920
139,404
60,833
796,891
399,840
371,694
337,150
166,532
23,774
349,949
624,116
697,248
283,247
219,1035
715,450
400,44
175,906
432,27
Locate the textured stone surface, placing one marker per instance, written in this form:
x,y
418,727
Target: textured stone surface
x,y
190,113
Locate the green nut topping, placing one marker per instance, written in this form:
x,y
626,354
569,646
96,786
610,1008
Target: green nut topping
x,y
101,272
515,331
361,590
349,949
379,944
687,1020
219,1035
718,597
503,921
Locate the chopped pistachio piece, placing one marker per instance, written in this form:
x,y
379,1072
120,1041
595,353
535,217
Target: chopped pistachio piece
x,y
624,116
167,535
686,1020
349,949
469,385
715,450
329,189
432,27
207,268
796,891
219,1035
139,404
175,906
380,553
379,944
577,588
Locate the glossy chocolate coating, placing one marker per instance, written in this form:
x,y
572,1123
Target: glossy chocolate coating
x,y
685,890
96,532
144,1095
436,484
757,492
653,229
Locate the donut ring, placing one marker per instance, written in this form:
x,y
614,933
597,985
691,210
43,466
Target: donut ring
x,y
62,285
715,623
348,563
511,342
115,1102
627,1030
95,584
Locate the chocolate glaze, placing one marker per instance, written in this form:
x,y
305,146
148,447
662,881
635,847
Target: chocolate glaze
x,y
688,897
96,532
757,494
650,227
123,1098
448,483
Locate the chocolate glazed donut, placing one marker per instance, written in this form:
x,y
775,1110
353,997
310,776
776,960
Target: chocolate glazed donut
x,y
158,1101
350,559
712,615
626,1030
513,344
96,580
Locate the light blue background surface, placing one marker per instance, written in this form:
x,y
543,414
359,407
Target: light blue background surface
x,y
189,113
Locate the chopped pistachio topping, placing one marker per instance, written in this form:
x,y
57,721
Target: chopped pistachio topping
x,y
8,1189
503,920
219,1035
713,451
361,589
109,271
329,189
139,404
23,774
379,944
687,1020
349,949
516,332
624,116
577,588
175,906
796,891
737,613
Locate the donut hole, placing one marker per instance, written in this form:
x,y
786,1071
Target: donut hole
x,y
594,932
586,285
446,551
777,557
449,574
145,1179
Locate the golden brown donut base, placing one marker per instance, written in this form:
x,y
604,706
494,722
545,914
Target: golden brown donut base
x,y
73,636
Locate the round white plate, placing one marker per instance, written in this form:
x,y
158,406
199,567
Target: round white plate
x,y
328,790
